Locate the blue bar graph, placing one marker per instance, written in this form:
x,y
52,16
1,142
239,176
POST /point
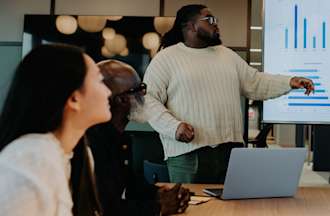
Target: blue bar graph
x,y
305,33
310,104
303,90
313,77
296,26
303,70
323,35
297,44
304,26
309,97
286,38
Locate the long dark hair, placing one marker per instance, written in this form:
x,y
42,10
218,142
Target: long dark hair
x,y
42,83
83,183
183,16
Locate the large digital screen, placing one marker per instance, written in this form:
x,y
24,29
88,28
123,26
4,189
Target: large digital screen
x,y
296,43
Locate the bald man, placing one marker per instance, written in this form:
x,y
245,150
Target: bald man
x,y
113,178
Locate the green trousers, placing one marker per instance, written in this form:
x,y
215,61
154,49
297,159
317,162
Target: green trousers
x,y
204,165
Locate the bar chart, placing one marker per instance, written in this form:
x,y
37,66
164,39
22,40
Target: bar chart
x,y
305,29
295,44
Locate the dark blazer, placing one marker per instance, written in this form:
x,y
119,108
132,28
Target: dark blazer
x,y
114,177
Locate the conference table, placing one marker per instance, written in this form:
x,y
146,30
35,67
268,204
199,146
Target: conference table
x,y
311,201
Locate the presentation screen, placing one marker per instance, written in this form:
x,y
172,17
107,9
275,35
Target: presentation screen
x,y
296,40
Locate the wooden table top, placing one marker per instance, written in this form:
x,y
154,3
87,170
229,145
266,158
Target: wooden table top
x,y
311,201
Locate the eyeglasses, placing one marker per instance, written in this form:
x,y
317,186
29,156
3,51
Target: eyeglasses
x,y
211,19
142,88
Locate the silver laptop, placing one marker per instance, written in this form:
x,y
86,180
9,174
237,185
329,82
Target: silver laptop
x,y
261,173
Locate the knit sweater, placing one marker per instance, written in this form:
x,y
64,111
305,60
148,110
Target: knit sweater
x,y
35,174
203,87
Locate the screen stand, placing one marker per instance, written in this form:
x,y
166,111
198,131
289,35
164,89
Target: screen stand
x,y
308,143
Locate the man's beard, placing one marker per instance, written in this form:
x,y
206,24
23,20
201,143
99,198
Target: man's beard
x,y
137,109
210,40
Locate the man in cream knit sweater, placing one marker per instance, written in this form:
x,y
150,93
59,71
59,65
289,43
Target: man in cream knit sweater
x,y
194,89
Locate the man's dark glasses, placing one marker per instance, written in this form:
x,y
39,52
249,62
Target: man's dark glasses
x,y
211,19
142,88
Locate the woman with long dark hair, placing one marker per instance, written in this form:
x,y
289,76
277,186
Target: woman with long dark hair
x,y
56,94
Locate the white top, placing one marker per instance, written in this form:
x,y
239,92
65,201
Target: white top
x,y
203,87
35,176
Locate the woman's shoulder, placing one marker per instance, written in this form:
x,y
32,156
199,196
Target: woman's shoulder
x,y
31,149
37,138
31,170
34,157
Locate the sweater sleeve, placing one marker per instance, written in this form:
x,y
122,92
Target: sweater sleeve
x,y
256,85
157,77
